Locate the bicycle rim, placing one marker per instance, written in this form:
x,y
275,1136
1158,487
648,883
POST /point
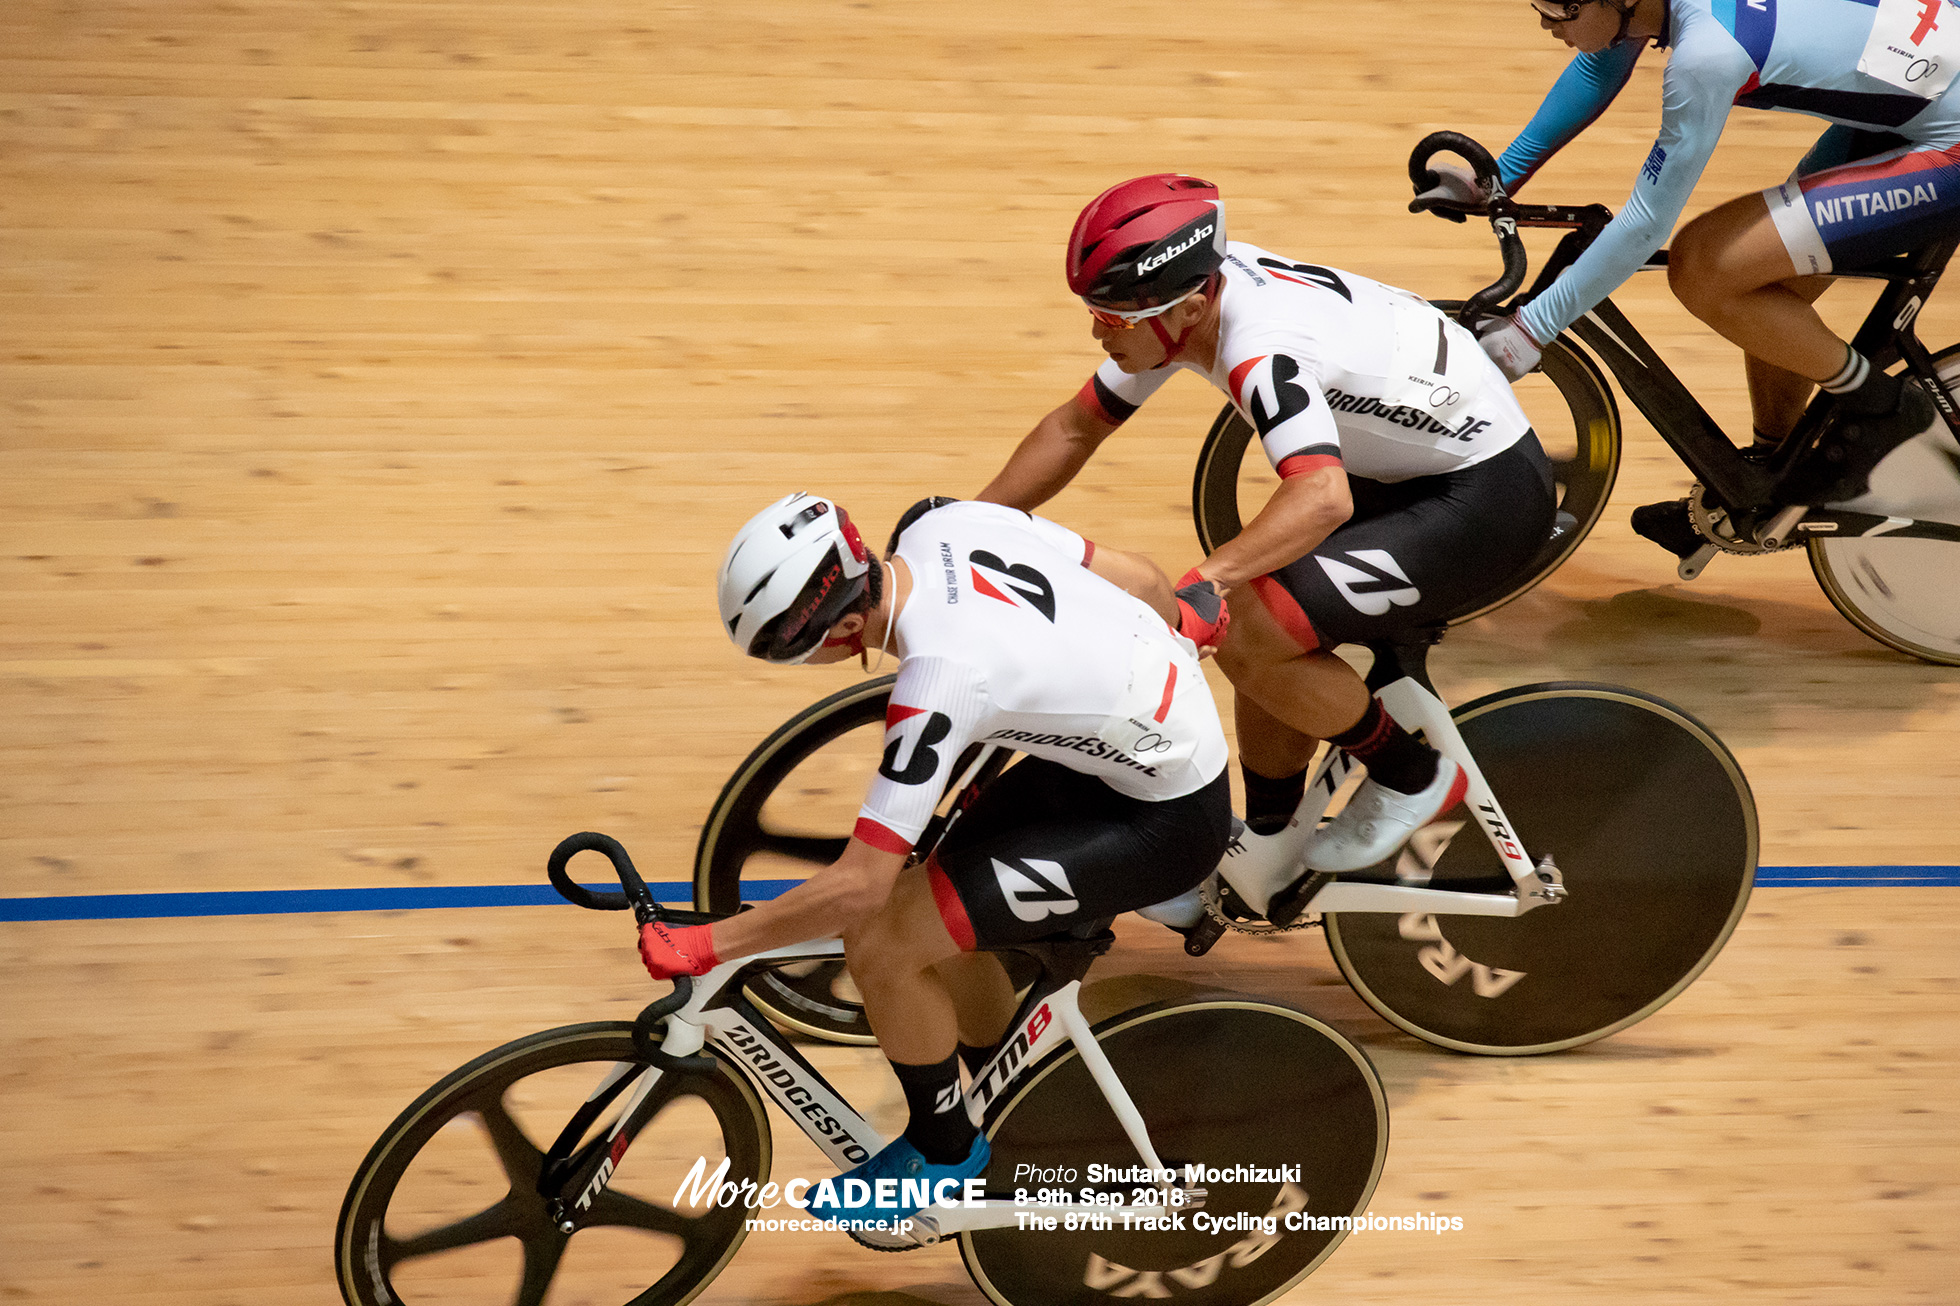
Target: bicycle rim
x,y
1652,823
1297,1093
1902,593
448,1194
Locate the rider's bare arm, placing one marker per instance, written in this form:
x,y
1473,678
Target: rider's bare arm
x,y
1049,457
834,900
1137,575
1303,511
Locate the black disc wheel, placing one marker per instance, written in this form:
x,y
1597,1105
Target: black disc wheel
x,y
1652,824
449,1197
1570,407
1222,1082
786,812
1902,592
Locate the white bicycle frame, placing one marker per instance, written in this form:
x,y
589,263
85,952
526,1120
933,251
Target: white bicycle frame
x,y
1417,709
844,1136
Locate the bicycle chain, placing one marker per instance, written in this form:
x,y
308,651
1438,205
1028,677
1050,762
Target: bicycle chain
x,y
1710,522
1213,893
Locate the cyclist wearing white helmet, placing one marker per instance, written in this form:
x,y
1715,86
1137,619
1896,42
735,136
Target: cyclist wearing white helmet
x,y
1882,180
1010,630
1411,487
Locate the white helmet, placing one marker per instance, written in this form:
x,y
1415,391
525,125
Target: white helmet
x,y
790,575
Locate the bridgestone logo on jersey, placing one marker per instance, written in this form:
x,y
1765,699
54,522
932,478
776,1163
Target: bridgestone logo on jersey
x,y
1401,415
1158,260
1088,744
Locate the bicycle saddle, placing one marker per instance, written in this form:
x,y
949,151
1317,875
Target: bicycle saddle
x,y
1068,955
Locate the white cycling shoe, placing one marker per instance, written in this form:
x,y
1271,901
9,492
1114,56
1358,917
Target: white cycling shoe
x,y
1379,820
1257,866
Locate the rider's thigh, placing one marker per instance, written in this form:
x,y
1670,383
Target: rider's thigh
x,y
1728,251
906,935
1045,848
1418,553
1852,215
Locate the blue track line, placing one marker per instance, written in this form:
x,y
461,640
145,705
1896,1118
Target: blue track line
x,y
280,902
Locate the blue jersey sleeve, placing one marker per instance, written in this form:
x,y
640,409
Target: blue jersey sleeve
x,y
1580,95
1707,69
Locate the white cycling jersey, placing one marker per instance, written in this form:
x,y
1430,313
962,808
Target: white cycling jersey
x,y
1332,367
1008,638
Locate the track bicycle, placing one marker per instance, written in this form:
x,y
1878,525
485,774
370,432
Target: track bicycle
x,y
1618,848
622,1161
1889,569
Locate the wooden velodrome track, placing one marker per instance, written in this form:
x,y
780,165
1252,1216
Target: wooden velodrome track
x,y
380,385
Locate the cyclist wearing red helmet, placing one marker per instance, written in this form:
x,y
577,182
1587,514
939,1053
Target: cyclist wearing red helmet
x,y
1411,486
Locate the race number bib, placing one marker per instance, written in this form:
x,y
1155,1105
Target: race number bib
x,y
1914,45
1141,726
1436,368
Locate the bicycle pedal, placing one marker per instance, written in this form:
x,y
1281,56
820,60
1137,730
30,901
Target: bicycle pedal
x,y
1290,903
1198,939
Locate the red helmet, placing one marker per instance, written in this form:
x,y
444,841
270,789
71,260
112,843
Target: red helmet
x,y
1147,241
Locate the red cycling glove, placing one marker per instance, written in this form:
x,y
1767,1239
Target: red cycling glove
x,y
680,950
1202,616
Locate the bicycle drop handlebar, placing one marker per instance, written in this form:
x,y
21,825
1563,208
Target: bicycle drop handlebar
x,y
1500,209
636,895
646,1036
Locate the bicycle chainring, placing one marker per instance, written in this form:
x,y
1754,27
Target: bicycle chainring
x,y
1713,523
1225,907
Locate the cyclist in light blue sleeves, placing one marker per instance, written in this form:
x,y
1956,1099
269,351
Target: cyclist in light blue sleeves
x,y
1883,179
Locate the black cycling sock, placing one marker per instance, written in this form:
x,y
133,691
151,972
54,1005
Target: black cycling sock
x,y
939,1126
1270,801
1856,371
973,1058
1862,390
1393,756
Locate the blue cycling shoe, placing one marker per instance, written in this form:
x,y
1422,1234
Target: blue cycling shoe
x,y
911,1182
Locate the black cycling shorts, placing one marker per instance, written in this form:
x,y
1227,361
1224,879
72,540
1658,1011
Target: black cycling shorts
x,y
1417,553
1044,848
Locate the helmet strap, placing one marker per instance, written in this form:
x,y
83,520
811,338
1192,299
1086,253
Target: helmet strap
x,y
891,617
1172,348
1625,10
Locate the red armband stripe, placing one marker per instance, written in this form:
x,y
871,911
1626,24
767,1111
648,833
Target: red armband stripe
x,y
1287,612
1088,552
884,840
1300,464
951,910
1100,400
1170,684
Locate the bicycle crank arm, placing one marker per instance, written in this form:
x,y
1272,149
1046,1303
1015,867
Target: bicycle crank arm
x,y
1692,565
